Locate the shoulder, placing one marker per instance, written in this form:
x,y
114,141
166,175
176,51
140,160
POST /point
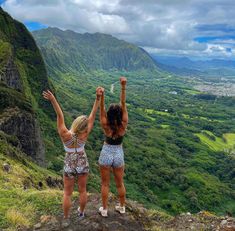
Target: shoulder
x,y
66,136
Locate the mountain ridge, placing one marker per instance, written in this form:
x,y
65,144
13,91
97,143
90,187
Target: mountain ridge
x,y
185,65
107,51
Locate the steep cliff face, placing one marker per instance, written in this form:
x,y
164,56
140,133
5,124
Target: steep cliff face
x,y
22,78
10,75
24,126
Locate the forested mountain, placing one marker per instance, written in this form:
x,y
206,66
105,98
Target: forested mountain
x,y
179,147
67,51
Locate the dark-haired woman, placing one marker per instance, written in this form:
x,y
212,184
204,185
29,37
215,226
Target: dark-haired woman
x,y
114,124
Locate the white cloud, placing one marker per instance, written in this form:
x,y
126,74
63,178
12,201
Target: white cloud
x,y
168,26
73,15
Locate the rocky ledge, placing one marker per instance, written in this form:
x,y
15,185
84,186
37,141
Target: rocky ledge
x,y
137,218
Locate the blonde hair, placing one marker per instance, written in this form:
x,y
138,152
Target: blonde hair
x,y
79,125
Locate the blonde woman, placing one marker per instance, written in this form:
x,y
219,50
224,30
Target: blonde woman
x,y
75,164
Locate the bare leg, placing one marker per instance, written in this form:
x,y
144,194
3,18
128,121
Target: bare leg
x,y
105,179
118,176
68,190
82,180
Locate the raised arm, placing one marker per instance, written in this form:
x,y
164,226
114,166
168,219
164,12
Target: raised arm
x,y
60,116
103,116
91,118
123,81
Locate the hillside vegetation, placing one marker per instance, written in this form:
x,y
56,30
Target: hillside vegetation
x,y
26,190
24,186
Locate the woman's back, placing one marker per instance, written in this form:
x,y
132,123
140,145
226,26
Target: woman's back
x,y
73,143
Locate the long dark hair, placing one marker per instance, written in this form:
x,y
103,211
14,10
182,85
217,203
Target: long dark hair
x,y
114,116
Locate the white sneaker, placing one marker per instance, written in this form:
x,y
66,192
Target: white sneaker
x,y
103,212
81,215
120,209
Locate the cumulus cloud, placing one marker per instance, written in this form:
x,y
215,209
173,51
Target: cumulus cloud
x,y
162,26
71,14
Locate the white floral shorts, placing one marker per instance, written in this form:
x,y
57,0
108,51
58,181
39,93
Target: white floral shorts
x,y
111,155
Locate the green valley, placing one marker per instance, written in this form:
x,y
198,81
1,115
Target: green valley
x,y
165,158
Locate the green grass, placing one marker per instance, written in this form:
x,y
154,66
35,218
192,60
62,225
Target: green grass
x,y
230,139
5,53
226,143
22,200
165,125
192,92
151,111
186,116
23,171
20,207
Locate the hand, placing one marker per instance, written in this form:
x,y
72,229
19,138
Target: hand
x,y
102,90
123,81
48,95
99,91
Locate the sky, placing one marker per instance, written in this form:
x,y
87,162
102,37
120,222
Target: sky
x,y
193,28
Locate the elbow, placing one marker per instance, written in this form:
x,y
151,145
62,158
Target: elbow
x,y
60,117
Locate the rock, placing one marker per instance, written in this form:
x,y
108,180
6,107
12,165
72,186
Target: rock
x,y
48,219
230,219
37,226
6,167
223,222
228,228
10,75
54,182
40,185
188,213
27,183
229,214
205,214
65,223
